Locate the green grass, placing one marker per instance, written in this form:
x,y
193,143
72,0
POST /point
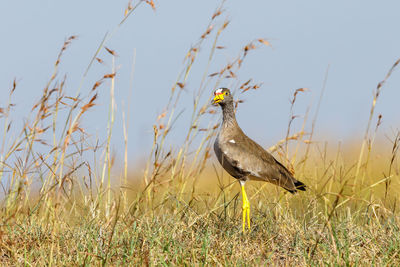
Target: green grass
x,y
277,237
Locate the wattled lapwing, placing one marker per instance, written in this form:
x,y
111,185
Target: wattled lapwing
x,y
243,158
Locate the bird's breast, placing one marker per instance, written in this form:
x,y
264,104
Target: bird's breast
x,y
228,163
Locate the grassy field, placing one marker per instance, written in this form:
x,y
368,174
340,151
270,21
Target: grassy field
x,y
66,203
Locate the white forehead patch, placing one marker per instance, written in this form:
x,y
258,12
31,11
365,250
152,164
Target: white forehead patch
x,y
232,141
218,91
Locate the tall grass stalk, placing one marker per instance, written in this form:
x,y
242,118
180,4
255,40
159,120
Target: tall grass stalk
x,y
371,114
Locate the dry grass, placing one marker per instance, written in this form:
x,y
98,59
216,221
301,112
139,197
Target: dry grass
x,y
61,208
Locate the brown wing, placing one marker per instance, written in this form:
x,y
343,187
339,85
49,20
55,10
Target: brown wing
x,y
250,157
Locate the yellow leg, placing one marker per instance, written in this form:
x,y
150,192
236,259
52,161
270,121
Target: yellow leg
x,y
246,208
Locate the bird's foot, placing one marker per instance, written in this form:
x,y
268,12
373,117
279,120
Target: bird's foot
x,y
246,215
246,211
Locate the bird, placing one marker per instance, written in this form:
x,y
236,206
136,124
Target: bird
x,y
243,158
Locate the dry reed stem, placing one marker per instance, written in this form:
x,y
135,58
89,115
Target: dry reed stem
x,y
371,114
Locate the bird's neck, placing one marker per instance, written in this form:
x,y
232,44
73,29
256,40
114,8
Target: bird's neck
x,y
228,115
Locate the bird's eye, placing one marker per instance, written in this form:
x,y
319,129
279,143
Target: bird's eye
x,y
226,93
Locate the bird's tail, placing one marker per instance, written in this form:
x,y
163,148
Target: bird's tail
x,y
298,186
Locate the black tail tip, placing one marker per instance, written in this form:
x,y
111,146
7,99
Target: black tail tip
x,y
300,186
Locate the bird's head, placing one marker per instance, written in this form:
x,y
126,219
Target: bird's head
x,y
222,96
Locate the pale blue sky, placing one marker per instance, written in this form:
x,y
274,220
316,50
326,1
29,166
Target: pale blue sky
x,y
359,40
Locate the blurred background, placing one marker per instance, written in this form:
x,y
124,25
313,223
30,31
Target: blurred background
x,y
358,40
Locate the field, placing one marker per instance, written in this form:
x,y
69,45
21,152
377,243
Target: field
x,y
66,202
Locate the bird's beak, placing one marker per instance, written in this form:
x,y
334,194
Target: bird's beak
x,y
217,98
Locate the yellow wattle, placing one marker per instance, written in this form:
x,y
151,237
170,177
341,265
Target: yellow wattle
x,y
218,98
